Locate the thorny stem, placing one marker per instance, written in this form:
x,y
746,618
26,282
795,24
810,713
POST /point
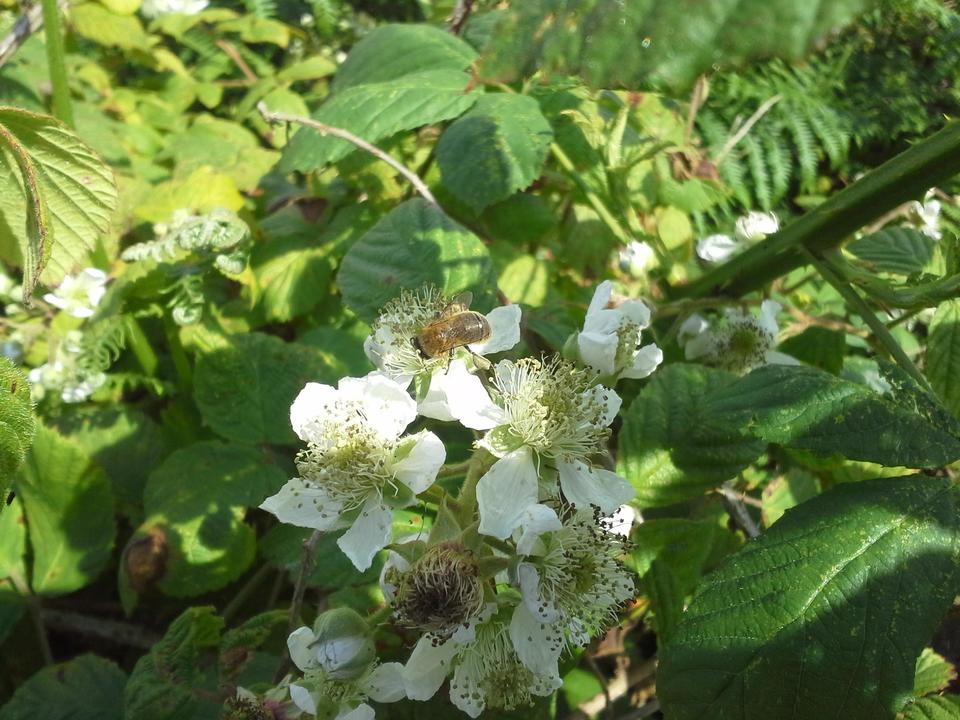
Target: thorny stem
x,y
454,469
278,117
62,107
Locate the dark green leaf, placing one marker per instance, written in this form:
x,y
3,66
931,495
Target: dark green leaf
x,y
392,51
69,510
496,149
378,110
239,644
85,688
809,620
17,424
415,243
666,600
817,346
668,447
244,391
942,361
169,683
895,250
686,546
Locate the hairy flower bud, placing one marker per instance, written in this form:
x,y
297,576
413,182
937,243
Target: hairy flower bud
x,y
441,592
343,646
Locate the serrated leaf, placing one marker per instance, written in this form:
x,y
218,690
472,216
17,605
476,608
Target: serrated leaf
x,y
69,510
57,196
496,149
244,391
659,43
294,275
942,361
818,346
392,51
668,448
85,688
934,672
900,250
204,190
942,707
415,243
806,408
17,424
238,645
198,497
169,683
809,620
378,110
95,22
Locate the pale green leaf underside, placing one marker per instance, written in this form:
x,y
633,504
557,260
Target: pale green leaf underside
x,y
659,43
378,110
17,423
942,361
825,614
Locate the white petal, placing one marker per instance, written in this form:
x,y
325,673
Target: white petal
x,y
374,352
691,327
584,486
419,468
645,361
387,406
385,683
637,311
601,297
768,316
94,276
81,311
716,248
465,690
756,226
599,351
537,642
298,643
304,505
458,394
504,330
610,399
360,712
310,405
605,321
303,699
427,668
506,491
537,520
369,534
529,579
699,346
622,520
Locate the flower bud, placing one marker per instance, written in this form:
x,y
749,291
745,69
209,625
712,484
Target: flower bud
x,y
343,646
756,226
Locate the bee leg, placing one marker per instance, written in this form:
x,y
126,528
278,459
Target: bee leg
x,y
449,360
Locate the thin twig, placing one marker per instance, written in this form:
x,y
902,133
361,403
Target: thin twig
x,y
27,24
231,52
299,589
697,99
34,608
244,593
738,510
418,184
122,633
460,15
745,128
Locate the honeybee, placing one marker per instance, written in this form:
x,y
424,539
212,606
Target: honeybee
x,y
455,326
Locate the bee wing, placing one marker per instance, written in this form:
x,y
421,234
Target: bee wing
x,y
458,303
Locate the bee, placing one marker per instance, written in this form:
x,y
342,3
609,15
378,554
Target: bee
x,y
455,326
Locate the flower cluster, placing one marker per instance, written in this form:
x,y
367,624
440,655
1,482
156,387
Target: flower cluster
x,y
751,228
524,564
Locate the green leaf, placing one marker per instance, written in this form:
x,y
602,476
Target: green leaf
x,y
526,280
294,275
942,361
239,644
244,391
169,683
69,511
57,196
808,409
942,707
199,497
414,243
95,22
378,110
85,688
668,447
392,51
900,250
934,672
13,540
282,547
817,346
666,600
810,619
496,149
17,424
785,492
204,190
312,68
659,43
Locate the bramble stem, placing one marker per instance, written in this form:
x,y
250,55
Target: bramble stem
x,y
306,567
62,107
419,185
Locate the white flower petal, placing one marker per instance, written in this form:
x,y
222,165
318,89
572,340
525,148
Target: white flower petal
x,y
601,297
622,520
699,346
610,399
599,351
537,642
465,690
302,698
756,226
427,668
584,486
385,683
506,491
717,248
304,505
504,330
360,712
310,405
536,520
529,579
298,643
369,534
645,361
387,406
458,394
605,321
418,470
768,317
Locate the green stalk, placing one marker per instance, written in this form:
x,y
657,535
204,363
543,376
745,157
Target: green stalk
x,y
142,350
904,177
62,108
